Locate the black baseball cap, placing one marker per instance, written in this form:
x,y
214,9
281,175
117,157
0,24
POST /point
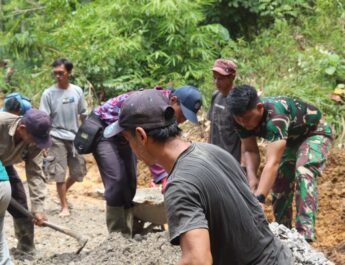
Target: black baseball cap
x,y
148,109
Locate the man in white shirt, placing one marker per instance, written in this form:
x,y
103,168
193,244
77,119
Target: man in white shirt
x,y
64,101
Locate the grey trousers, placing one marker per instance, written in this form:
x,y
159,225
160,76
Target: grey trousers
x,y
18,192
5,197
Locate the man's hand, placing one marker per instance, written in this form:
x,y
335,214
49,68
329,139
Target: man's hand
x,y
39,218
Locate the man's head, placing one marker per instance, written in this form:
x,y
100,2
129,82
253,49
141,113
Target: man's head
x,y
62,68
12,105
224,72
145,118
186,101
34,127
245,106
16,103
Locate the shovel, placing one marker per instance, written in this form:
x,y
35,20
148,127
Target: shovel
x,y
82,241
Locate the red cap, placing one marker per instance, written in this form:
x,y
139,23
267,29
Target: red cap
x,y
224,67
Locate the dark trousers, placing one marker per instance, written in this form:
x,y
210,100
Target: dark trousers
x,y
117,165
18,192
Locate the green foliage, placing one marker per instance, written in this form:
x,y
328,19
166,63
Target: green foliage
x,y
305,60
245,18
334,66
115,45
283,47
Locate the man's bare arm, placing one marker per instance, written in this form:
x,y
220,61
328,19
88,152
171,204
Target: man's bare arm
x,y
274,153
252,160
195,246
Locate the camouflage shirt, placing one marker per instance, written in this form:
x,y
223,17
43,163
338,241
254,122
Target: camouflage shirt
x,y
288,119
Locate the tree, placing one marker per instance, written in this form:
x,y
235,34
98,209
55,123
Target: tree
x,y
115,45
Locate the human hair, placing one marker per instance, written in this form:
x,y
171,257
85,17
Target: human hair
x,y
241,99
62,61
12,105
171,94
162,134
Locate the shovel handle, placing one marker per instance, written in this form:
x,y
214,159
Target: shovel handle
x,y
21,209
63,230
56,227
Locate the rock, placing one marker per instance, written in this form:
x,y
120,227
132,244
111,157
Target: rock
x,y
302,252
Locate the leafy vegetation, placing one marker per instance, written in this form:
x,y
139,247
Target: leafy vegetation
x,y
305,60
283,47
116,45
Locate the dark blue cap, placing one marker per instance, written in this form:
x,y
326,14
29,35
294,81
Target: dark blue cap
x,y
38,124
190,100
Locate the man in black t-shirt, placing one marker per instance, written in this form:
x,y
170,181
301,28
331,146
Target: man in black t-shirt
x,y
211,211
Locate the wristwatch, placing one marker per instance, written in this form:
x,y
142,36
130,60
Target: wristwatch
x,y
261,198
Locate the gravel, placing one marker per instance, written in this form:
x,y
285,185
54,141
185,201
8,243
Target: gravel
x,y
302,252
88,219
154,249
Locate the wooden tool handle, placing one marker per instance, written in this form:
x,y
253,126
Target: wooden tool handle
x,y
56,227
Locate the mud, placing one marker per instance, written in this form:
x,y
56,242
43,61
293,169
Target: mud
x,y
88,218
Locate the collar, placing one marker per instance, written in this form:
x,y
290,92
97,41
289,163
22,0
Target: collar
x,y
13,127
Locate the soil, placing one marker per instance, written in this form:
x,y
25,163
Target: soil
x,y
88,219
330,221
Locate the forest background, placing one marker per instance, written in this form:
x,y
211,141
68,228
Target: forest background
x,y
282,47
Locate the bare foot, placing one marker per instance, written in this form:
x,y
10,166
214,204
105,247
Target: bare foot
x,y
57,201
64,212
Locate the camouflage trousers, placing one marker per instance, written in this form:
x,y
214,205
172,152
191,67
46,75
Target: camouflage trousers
x,y
298,170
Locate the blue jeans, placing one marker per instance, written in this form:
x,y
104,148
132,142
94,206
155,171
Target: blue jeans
x,y
5,197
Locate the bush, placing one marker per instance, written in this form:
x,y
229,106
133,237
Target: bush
x,y
115,45
283,47
303,60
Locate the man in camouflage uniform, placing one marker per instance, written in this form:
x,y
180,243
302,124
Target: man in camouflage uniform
x,y
296,153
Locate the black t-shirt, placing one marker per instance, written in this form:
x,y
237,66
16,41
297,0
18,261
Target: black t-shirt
x,y
208,189
222,131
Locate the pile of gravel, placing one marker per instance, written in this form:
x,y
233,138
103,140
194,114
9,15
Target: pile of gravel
x,y
155,249
57,259
302,252
152,249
